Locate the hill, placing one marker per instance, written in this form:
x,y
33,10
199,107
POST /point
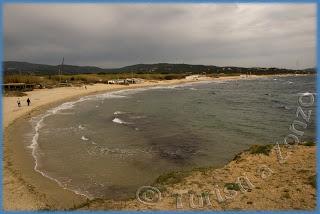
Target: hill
x,y
16,67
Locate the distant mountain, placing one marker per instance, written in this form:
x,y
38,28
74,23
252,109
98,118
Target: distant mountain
x,y
15,67
169,68
31,68
310,70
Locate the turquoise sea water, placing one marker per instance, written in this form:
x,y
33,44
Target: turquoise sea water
x,y
109,145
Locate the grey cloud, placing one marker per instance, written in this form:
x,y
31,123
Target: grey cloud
x,y
112,35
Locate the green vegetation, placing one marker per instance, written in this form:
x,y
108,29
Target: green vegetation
x,y
309,144
260,149
232,186
172,177
203,169
29,79
237,156
178,176
85,78
313,181
286,195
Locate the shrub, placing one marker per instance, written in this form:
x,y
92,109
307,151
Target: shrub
x,y
172,177
309,144
261,149
232,186
313,181
28,79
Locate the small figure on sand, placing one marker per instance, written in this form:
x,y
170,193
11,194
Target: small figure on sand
x,y
19,103
85,87
28,101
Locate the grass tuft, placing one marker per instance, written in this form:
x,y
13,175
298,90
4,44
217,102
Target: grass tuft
x,y
172,177
313,181
232,186
309,144
261,149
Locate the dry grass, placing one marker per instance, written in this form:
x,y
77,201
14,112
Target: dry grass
x,y
29,79
85,78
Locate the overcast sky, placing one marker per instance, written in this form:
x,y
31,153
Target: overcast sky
x,y
114,35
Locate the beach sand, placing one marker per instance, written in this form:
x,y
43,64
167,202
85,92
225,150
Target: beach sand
x,y
26,189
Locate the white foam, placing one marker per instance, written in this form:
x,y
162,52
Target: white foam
x,y
39,123
287,107
34,146
137,117
81,127
306,94
84,138
109,95
118,112
117,120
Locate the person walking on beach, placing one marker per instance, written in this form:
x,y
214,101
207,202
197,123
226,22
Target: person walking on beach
x,y
18,102
28,101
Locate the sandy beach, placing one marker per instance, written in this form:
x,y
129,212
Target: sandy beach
x,y
26,189
159,107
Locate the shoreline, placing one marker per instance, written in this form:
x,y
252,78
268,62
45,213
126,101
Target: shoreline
x,y
18,187
268,185
35,192
40,94
63,94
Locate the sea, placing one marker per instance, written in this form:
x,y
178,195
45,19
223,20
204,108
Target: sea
x,y
109,145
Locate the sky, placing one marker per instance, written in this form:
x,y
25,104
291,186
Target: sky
x,y
116,35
